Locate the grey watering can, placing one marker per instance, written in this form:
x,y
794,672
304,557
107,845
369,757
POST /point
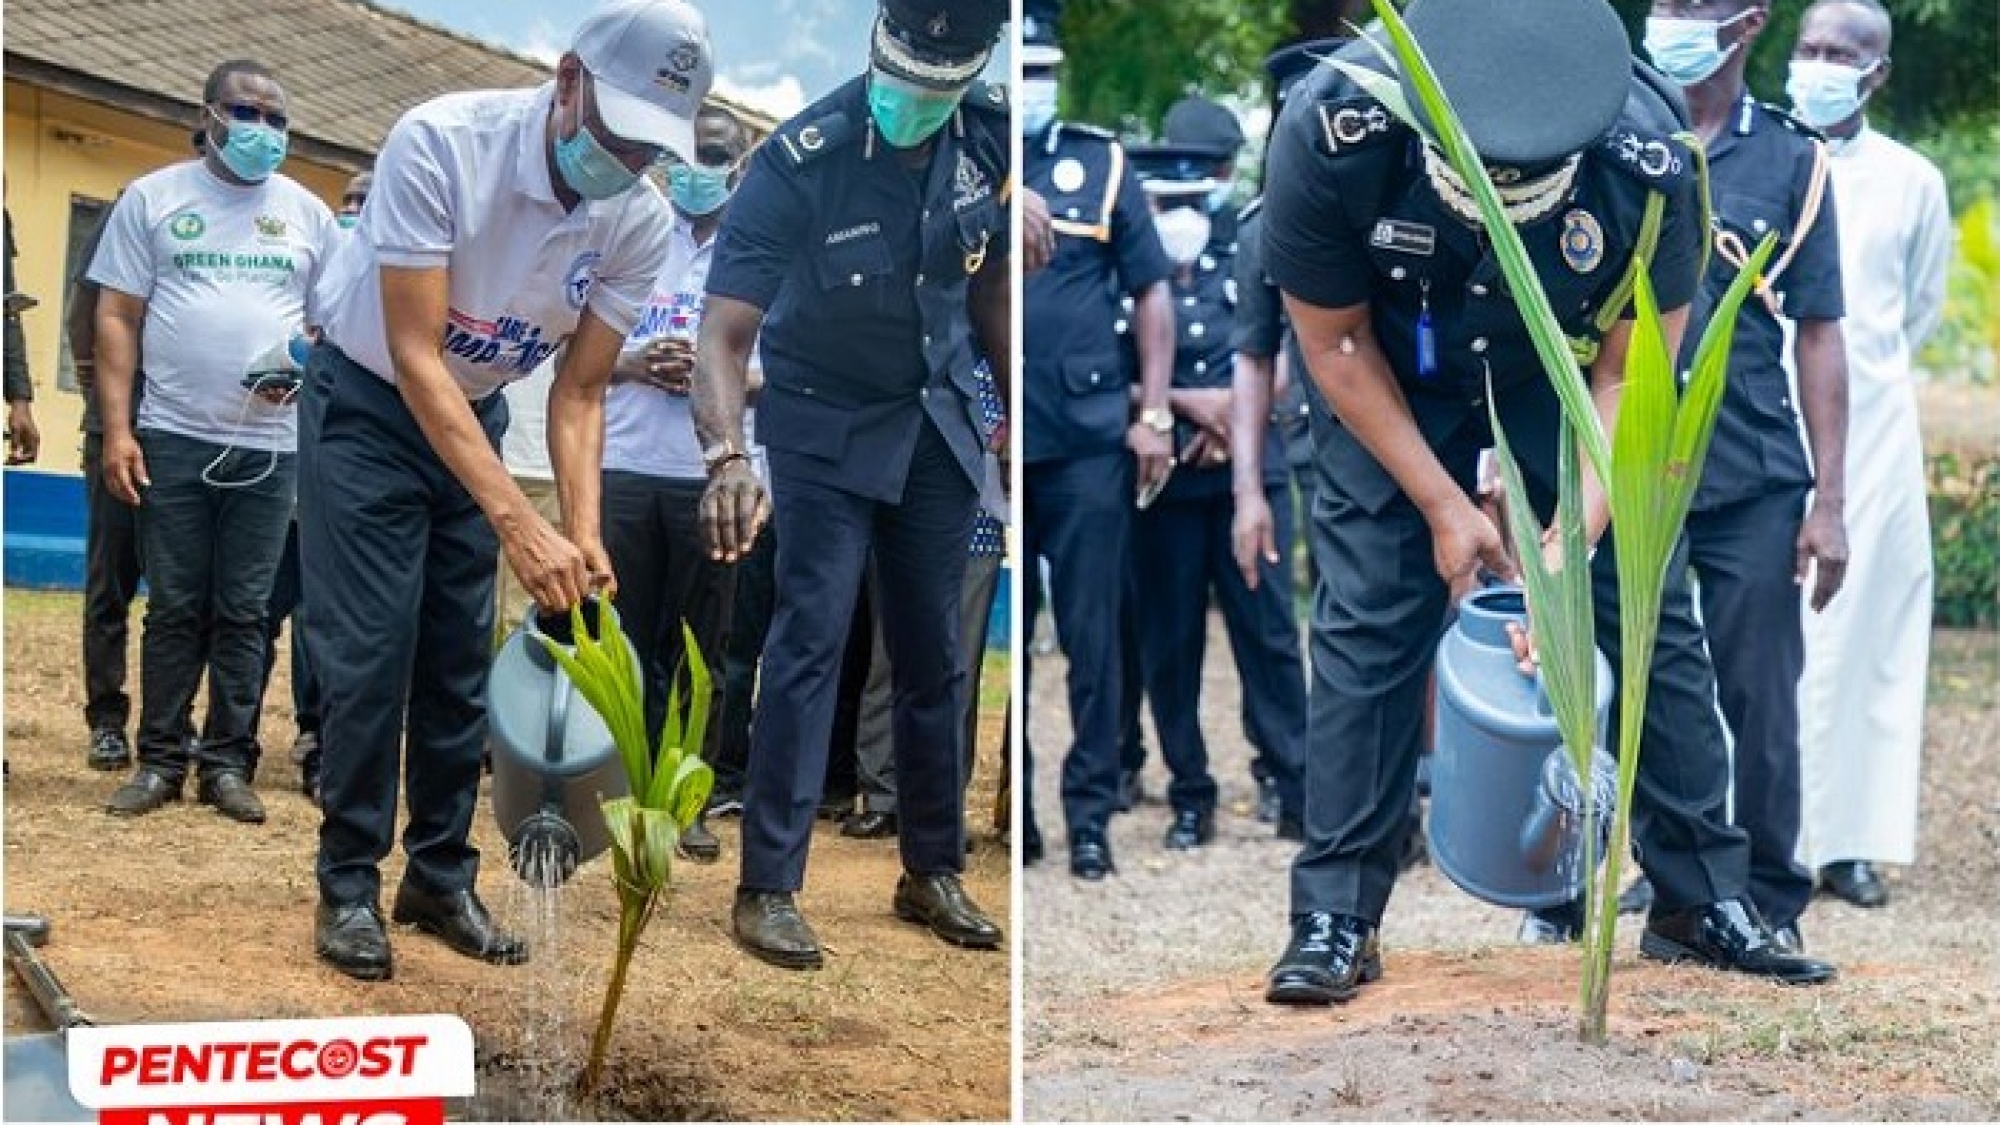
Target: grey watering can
x,y
1506,815
554,761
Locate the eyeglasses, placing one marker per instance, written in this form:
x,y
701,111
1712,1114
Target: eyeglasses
x,y
708,158
237,111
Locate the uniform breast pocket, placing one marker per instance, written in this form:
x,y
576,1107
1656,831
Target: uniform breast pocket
x,y
854,275
1749,218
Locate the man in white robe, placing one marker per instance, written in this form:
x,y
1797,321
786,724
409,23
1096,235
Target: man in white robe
x,y
1861,700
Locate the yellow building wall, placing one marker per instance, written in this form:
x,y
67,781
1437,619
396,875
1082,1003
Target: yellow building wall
x,y
58,147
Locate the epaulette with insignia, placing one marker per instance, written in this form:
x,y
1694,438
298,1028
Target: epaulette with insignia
x,y
808,141
1250,210
989,96
1791,121
1655,159
1352,122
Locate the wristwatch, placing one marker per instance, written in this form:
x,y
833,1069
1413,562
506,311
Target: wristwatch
x,y
714,457
1159,419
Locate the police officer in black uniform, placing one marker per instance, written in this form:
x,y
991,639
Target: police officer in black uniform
x,y
1078,435
1401,312
1181,543
869,242
1750,533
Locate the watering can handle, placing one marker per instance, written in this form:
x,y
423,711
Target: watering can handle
x,y
560,690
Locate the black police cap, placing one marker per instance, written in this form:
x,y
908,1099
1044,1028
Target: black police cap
x,y
937,43
1287,65
1198,123
1159,164
1533,81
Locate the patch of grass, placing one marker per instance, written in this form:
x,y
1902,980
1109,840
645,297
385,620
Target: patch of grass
x,y
993,681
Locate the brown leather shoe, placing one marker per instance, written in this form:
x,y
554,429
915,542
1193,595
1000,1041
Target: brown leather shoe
x,y
230,794
147,791
940,902
461,920
769,927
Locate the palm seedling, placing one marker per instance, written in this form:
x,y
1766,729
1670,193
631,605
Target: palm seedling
x,y
669,785
1652,464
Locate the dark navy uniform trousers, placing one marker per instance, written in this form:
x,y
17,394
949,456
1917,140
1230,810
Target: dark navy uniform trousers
x,y
824,538
398,565
1377,618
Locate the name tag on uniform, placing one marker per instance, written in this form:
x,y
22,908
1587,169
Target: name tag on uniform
x,y
1404,237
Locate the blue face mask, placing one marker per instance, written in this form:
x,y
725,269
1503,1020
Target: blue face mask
x,y
697,190
253,151
1688,51
905,115
347,222
1827,93
1037,105
588,169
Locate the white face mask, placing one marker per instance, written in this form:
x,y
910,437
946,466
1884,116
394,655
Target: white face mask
x,y
1183,233
1827,93
1038,105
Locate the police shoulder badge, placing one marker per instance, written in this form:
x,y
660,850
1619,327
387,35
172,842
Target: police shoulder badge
x,y
1582,241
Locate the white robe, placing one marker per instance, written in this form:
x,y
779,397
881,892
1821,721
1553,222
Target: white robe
x,y
1861,699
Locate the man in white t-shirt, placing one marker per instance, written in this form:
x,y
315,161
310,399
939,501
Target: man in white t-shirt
x,y
502,225
207,266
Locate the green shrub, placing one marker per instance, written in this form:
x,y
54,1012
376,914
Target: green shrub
x,y
1965,538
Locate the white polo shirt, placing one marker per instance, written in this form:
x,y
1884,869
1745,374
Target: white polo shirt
x,y
462,184
226,271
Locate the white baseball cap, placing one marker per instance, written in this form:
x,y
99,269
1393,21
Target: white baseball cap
x,y
653,67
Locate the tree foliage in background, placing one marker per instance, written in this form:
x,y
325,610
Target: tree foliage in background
x,y
1128,60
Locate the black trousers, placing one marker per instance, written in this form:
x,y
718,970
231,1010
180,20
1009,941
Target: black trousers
x,y
1132,673
1077,515
749,621
398,569
1183,550
825,536
287,591
1377,617
111,581
1743,556
652,531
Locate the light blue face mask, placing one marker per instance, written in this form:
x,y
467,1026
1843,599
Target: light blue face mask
x,y
906,115
697,190
588,169
1689,51
1037,105
1827,93
347,222
253,151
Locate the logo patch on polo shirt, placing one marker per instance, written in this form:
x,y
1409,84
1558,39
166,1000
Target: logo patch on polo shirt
x,y
576,283
187,227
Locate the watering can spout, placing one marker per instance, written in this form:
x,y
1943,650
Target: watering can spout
x,y
554,760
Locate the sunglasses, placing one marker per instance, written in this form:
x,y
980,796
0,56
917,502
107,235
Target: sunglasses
x,y
237,111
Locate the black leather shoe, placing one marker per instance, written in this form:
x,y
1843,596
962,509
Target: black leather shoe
x,y
1854,881
869,826
1788,939
146,792
1727,935
1131,792
109,752
461,920
1553,925
1189,830
1268,805
698,844
231,796
351,938
1329,958
769,927
1090,858
1637,898
940,902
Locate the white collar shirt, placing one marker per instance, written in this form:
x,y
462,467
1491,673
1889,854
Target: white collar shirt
x,y
463,184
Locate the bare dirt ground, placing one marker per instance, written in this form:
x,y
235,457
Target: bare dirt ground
x,y
1143,994
182,915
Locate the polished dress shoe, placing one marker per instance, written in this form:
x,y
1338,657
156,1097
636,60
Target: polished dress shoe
x,y
1637,898
148,791
1329,958
230,794
1552,925
1268,804
109,752
769,927
940,902
350,937
869,826
1788,939
1189,830
461,920
698,844
1090,858
1854,881
1727,935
